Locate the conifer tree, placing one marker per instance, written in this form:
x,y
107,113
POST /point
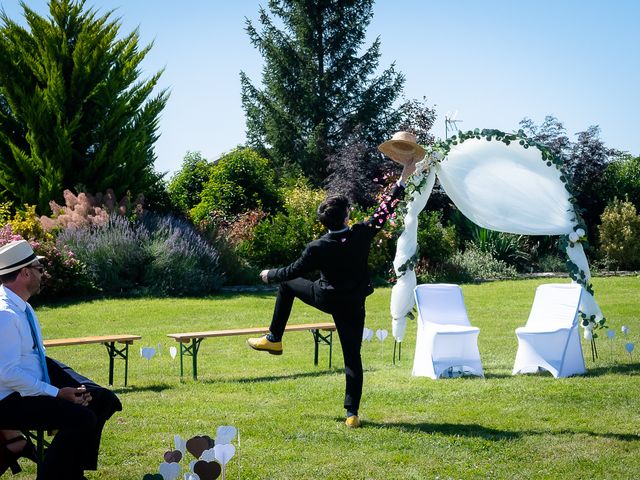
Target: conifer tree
x,y
317,87
73,110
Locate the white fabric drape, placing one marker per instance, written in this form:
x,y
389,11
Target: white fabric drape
x,y
402,299
506,188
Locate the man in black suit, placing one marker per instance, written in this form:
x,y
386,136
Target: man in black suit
x,y
341,256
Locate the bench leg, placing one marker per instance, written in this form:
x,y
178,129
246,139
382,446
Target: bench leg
x,y
114,353
318,338
190,350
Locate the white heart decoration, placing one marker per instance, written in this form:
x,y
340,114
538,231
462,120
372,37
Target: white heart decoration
x,y
148,352
208,455
224,453
629,346
225,434
624,329
173,352
180,443
365,333
611,333
169,471
381,334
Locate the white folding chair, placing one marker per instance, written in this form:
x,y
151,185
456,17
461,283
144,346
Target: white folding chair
x,y
551,339
446,342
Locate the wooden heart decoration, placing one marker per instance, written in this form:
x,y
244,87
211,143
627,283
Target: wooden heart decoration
x,y
207,470
196,445
152,476
173,456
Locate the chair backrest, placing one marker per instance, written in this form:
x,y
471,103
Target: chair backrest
x,y
555,306
441,303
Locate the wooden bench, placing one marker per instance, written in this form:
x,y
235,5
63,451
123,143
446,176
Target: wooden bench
x,y
108,341
190,342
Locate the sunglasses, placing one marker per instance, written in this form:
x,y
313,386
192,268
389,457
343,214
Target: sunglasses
x,y
39,268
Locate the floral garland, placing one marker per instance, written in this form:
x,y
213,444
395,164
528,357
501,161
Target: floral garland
x,y
439,151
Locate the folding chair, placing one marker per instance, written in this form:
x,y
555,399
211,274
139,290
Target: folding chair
x,y
551,339
446,342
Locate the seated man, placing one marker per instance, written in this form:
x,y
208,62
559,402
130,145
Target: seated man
x,y
37,392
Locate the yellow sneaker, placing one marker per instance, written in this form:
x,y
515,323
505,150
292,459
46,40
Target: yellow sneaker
x,y
263,344
353,422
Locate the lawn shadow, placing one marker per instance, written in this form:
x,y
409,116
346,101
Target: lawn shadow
x,y
147,388
450,429
626,368
277,378
473,430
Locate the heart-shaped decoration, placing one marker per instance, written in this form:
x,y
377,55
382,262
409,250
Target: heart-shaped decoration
x,y
629,347
224,453
173,456
207,470
152,476
367,334
381,334
196,445
173,351
624,329
611,333
208,455
180,443
148,352
191,476
169,471
225,434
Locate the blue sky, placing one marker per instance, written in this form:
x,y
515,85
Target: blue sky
x,y
493,61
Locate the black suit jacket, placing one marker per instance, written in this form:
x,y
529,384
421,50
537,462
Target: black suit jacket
x,y
342,258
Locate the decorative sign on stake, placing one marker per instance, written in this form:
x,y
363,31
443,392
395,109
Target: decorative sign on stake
x,y
625,330
173,351
147,352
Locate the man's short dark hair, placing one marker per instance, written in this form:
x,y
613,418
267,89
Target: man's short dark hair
x,y
10,277
333,212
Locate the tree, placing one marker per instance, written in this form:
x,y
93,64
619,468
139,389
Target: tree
x,y
585,160
317,89
239,181
187,184
73,111
622,179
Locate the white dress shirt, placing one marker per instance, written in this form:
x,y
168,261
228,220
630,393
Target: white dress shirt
x,y
20,367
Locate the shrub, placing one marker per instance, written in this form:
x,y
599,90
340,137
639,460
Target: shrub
x,y
552,263
182,262
115,253
469,266
239,181
619,231
505,247
27,224
85,210
187,184
65,276
280,238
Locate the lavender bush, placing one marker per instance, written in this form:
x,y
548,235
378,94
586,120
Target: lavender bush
x,y
158,255
115,253
182,262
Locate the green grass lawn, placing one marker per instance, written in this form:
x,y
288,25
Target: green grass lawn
x,y
289,413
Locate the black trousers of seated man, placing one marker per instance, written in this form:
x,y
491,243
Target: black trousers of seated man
x,y
75,447
348,314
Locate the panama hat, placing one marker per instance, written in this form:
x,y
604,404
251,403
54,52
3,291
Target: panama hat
x,y
16,255
402,148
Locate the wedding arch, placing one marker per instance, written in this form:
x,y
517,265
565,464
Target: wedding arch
x,y
504,182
